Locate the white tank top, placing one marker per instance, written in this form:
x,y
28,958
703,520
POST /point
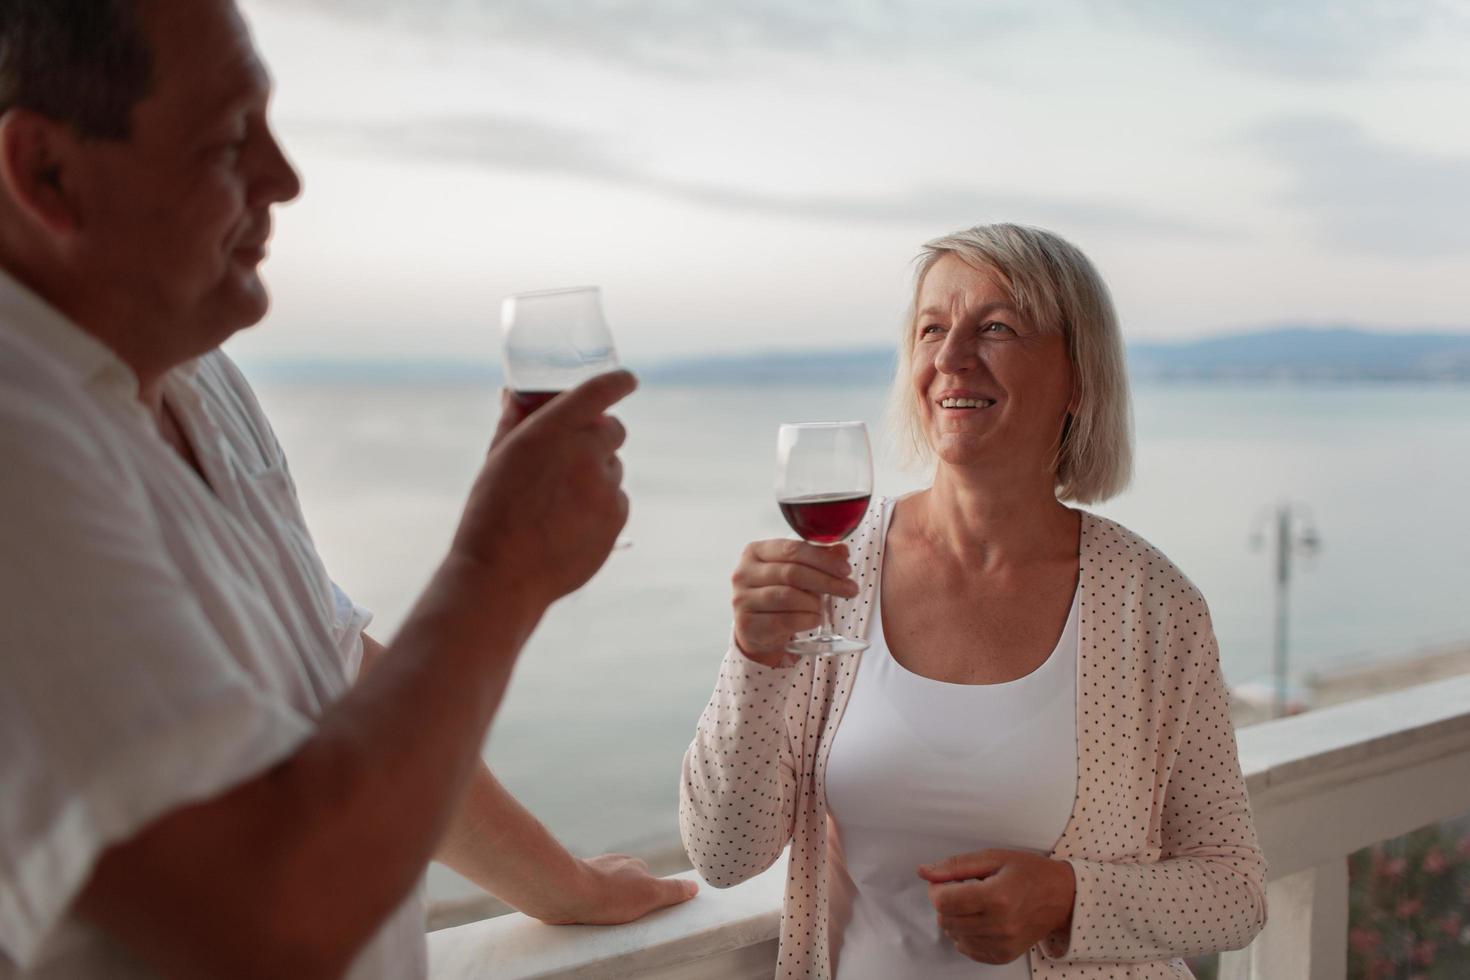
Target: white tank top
x,y
921,770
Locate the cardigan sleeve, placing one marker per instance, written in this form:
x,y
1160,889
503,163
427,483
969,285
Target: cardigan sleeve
x,y
1207,892
737,799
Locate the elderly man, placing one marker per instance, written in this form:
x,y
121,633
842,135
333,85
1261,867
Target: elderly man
x,y
190,782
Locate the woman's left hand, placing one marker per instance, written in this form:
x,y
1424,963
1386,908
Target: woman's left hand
x,y
996,905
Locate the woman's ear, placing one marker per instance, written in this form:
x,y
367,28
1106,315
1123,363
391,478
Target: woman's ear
x,y
36,171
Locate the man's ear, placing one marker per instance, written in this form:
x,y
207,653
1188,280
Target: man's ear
x,y
36,171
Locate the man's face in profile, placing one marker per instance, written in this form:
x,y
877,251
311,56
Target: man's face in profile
x,y
176,217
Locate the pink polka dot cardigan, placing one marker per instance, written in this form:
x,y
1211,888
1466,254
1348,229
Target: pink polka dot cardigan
x,y
1160,835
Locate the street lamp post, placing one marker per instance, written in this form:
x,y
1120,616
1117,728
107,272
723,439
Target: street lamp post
x,y
1294,534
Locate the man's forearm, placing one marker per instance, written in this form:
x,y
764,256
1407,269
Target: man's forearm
x,y
500,846
328,843
391,761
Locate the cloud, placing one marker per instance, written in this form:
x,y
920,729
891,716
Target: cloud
x,y
525,146
1366,195
1310,38
1331,38
691,33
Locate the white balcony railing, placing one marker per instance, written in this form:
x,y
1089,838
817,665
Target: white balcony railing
x,y
1322,785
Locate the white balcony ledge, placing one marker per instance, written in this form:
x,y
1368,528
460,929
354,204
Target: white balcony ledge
x,y
1322,785
719,933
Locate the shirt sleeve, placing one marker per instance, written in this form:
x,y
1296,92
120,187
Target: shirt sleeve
x,y
737,798
1207,892
348,622
118,700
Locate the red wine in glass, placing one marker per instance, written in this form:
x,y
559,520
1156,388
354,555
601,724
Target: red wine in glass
x,y
532,400
825,518
824,480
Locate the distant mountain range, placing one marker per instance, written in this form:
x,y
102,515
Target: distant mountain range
x,y
1337,353
1286,353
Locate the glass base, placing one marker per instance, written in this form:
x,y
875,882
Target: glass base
x,y
825,645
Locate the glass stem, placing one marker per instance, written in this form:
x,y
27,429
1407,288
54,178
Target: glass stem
x,y
826,629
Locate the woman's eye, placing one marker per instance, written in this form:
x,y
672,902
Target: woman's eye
x,y
995,326
930,328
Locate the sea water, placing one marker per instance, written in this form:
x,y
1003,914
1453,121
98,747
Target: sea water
x,y
607,692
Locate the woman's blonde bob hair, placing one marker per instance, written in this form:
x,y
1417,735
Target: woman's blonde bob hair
x,y
1055,286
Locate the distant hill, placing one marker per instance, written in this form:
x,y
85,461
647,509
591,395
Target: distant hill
x,y
1287,353
1293,353
864,365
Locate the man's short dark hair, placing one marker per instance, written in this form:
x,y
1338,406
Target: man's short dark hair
x,y
86,63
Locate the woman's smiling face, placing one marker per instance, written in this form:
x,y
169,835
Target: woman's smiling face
x,y
992,387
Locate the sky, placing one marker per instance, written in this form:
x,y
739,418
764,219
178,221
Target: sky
x,y
751,175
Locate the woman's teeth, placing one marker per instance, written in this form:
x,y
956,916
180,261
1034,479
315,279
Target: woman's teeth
x,y
965,403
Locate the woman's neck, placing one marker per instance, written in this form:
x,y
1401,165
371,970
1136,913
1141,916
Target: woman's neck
x,y
993,524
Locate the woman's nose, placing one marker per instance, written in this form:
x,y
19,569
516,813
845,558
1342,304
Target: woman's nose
x,y
960,352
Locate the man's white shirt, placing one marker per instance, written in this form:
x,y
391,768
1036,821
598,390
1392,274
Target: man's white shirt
x,y
161,640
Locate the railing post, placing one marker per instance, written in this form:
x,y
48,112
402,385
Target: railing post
x,y
1306,933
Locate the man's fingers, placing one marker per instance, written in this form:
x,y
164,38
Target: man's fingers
x,y
672,891
512,414
979,864
614,467
585,403
613,433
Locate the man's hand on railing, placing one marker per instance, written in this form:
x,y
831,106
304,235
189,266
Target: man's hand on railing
x,y
499,845
618,888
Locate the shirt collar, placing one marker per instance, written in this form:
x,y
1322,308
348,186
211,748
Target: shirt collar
x,y
26,314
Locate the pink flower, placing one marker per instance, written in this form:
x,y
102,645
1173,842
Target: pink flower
x,y
1363,941
1424,954
1435,862
1450,924
1409,906
1395,867
1463,847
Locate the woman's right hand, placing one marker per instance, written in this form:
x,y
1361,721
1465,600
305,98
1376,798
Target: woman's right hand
x,y
779,586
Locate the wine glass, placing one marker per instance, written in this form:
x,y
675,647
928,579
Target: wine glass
x,y
553,340
824,480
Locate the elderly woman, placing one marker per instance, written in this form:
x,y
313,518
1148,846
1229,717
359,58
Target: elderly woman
x,y
1032,766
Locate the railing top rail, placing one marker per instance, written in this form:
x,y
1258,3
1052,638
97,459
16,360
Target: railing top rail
x,y
1346,739
514,947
